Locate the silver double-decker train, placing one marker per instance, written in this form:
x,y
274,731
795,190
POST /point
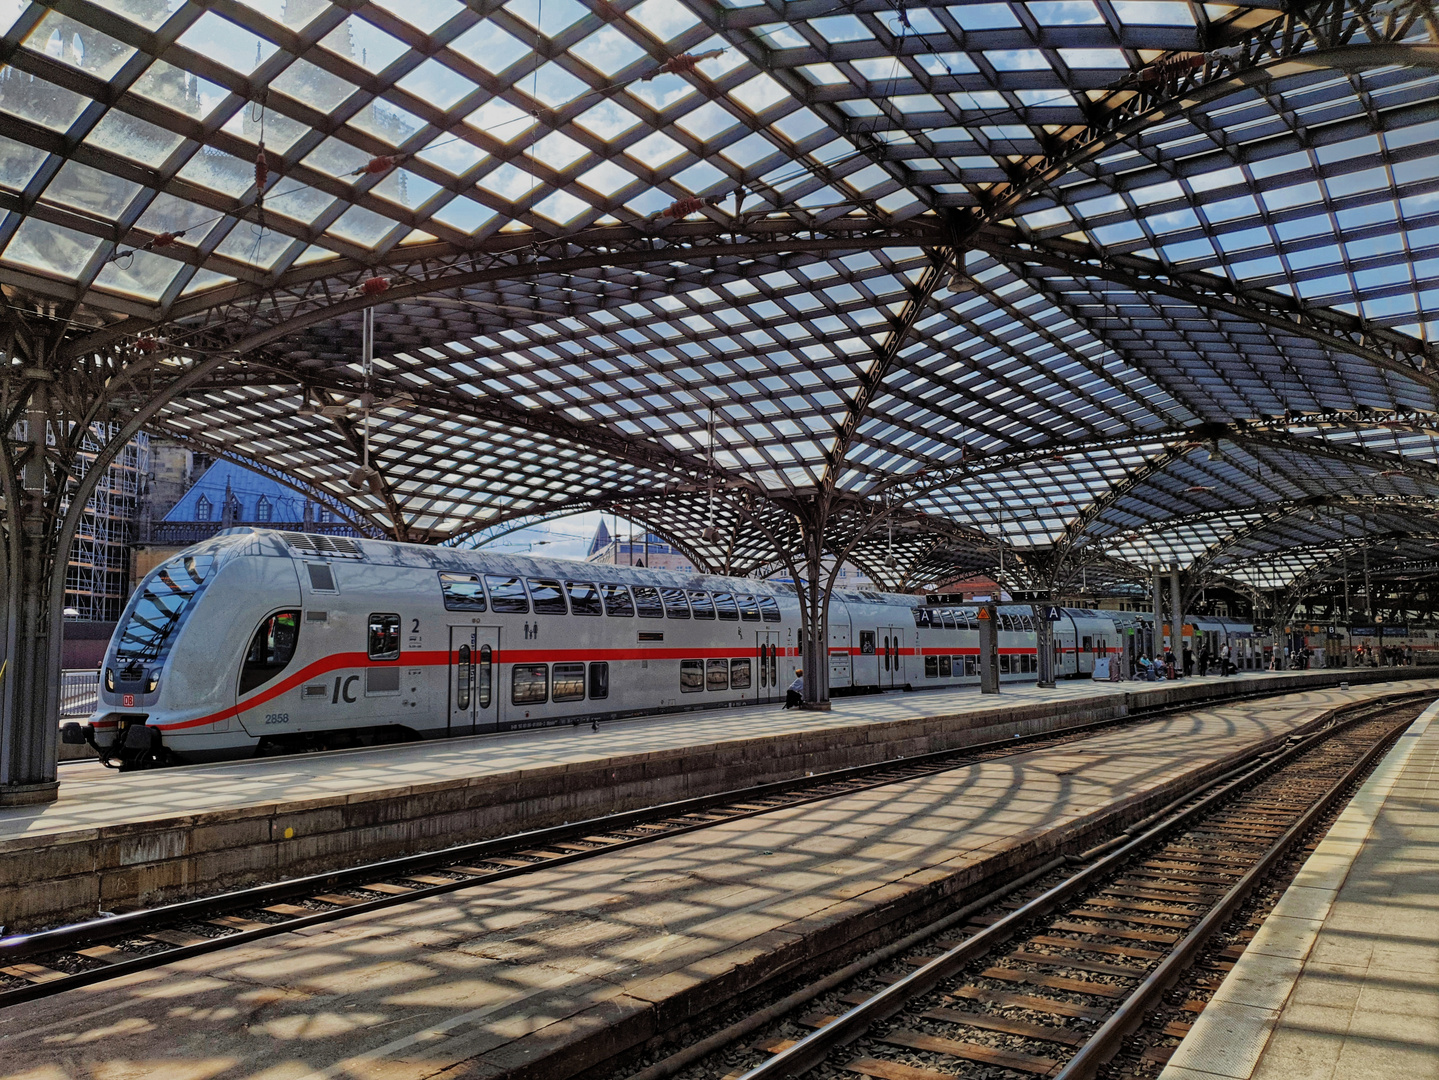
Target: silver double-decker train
x,y
260,641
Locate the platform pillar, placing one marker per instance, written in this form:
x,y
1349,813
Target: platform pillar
x,y
1044,646
1176,619
988,649
1156,645
29,638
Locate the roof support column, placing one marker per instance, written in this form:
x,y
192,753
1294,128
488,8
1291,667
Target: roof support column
x,y
28,724
47,482
1176,618
1156,644
814,594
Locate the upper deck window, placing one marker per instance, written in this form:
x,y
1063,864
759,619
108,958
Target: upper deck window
x,y
548,597
507,595
462,592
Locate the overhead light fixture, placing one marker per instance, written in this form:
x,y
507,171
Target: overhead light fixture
x,y
366,478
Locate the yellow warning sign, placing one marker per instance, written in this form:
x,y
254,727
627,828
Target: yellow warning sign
x,y
984,613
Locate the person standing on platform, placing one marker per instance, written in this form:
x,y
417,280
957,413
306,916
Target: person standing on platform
x,y
1188,661
794,696
1204,661
1224,659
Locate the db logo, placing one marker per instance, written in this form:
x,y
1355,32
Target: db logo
x,y
130,699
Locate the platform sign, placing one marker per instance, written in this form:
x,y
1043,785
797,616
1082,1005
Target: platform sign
x,y
984,613
1052,614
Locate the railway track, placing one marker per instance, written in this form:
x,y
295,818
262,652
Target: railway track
x,y
49,962
1051,979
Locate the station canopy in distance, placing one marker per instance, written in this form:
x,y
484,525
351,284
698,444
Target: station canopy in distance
x,y
1076,286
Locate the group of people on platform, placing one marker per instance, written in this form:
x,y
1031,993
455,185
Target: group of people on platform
x,y
1383,656
1169,666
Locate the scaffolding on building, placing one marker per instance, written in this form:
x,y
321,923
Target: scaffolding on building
x,y
97,580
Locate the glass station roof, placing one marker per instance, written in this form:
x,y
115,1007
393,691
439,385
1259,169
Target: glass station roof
x,y
1095,283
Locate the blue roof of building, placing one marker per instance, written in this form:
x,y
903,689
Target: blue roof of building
x,y
247,488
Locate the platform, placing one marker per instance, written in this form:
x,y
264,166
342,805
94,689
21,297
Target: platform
x,y
1342,980
113,841
541,976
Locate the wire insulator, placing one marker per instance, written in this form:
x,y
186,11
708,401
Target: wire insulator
x,y
147,344
383,163
684,63
683,208
374,286
262,172
164,240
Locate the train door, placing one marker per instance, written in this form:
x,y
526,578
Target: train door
x,y
474,704
767,649
891,662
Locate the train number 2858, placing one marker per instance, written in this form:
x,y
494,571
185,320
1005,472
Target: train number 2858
x,y
277,718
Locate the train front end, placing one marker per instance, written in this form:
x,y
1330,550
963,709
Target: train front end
x,y
163,682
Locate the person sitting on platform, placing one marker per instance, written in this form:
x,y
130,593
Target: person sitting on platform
x,y
794,696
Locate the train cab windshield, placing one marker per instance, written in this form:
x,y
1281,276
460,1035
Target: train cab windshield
x,y
159,606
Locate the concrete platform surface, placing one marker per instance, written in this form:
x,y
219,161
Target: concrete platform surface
x,y
1342,980
596,957
92,796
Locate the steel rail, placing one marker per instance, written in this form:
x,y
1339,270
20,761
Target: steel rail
x,y
18,946
815,1047
131,924
70,938
1107,1040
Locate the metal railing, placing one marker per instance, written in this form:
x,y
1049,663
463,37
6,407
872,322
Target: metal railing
x,y
79,693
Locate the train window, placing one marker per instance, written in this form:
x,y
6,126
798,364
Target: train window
x,y
322,578
717,675
530,684
484,677
692,676
507,595
648,603
769,609
866,643
548,598
931,667
1004,663
739,674
773,667
703,606
462,677
618,603
946,668
725,605
569,682
948,618
748,609
1088,644
271,649
886,652
462,592
971,666
599,681
584,599
384,637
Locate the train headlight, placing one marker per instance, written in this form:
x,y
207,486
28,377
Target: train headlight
x,y
152,683
109,680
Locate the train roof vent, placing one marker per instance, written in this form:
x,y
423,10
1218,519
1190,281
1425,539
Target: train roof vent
x,y
318,544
